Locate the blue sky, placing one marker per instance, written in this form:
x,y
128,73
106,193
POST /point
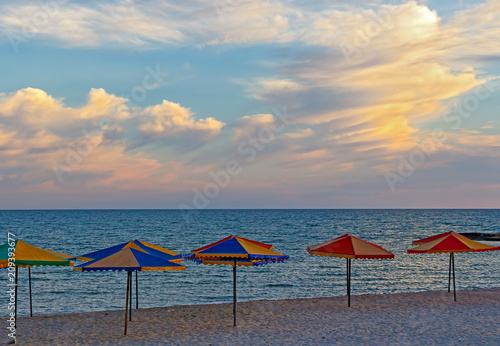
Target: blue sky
x,y
318,106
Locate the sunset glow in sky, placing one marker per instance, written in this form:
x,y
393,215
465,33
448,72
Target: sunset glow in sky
x,y
249,104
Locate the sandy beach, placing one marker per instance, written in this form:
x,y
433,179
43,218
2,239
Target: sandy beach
x,y
404,318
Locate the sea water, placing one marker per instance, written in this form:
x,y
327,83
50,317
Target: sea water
x,y
76,232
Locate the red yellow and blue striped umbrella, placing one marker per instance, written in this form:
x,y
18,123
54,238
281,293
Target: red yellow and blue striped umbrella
x,y
349,247
129,259
236,251
449,242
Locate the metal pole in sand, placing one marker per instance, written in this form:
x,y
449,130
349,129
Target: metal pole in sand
x,y
130,299
31,301
449,273
234,292
348,269
136,291
126,302
453,264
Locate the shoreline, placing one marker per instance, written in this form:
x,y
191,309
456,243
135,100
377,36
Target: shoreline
x,y
405,318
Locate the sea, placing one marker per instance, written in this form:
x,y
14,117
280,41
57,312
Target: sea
x,y
76,232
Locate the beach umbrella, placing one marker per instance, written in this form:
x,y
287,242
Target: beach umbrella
x,y
349,247
137,244
449,242
22,254
236,251
129,259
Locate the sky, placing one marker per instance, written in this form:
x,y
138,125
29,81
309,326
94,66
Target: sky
x,y
249,104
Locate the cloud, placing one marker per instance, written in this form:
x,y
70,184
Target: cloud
x,y
119,24
383,72
250,125
320,159
168,119
147,25
264,88
46,145
366,85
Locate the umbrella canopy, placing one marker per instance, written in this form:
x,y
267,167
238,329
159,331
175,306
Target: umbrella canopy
x,y
236,251
449,242
238,248
239,262
27,255
349,247
140,245
129,259
68,257
137,244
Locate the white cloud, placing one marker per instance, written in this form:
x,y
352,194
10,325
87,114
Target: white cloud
x,y
363,93
261,88
249,125
169,119
89,143
148,25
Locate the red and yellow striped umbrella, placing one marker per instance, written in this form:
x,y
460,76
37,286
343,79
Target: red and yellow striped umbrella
x,y
449,242
349,247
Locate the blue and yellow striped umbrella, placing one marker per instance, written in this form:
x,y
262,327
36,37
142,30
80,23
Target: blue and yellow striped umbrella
x,y
140,245
129,259
137,244
236,251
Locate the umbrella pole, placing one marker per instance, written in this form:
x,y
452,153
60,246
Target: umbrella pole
x,y
31,302
136,291
234,293
449,273
126,302
130,299
348,279
349,298
453,264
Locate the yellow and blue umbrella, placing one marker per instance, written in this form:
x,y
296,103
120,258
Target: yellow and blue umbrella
x,y
27,255
129,259
236,251
137,244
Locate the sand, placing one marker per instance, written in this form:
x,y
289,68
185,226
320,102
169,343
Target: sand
x,y
404,318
